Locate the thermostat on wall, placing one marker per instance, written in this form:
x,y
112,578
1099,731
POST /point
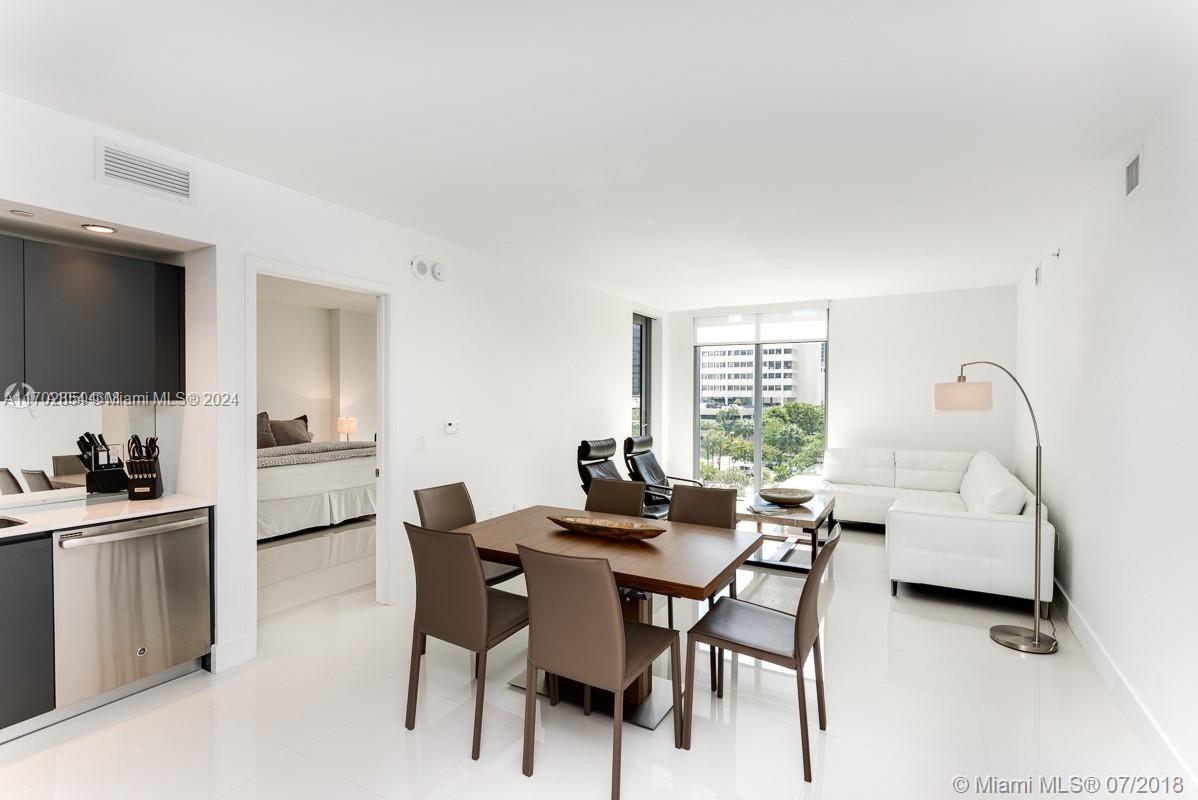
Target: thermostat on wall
x,y
452,427
438,271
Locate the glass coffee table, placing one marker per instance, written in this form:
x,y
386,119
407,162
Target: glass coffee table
x,y
802,526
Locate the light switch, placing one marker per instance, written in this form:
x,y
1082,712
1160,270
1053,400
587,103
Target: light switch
x,y
452,428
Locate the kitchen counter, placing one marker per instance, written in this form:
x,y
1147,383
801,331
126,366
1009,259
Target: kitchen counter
x,y
77,513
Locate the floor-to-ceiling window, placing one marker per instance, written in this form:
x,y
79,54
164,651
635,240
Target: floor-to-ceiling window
x,y
760,391
642,346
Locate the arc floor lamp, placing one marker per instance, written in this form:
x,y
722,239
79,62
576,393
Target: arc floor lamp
x,y
979,396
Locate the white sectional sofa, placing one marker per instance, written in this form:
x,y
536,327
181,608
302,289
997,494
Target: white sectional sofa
x,y
952,518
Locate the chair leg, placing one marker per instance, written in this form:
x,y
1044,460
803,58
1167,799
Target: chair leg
x,y
803,724
688,717
893,588
719,680
676,680
732,587
616,740
477,674
711,651
819,686
418,643
554,688
530,715
586,699
670,611
479,687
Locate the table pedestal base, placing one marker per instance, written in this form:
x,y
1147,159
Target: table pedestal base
x,y
647,714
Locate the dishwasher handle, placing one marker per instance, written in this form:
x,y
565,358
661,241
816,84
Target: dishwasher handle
x,y
136,533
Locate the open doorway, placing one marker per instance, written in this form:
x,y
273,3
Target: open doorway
x,y
318,423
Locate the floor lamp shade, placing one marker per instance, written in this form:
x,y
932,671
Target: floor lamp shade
x,y
964,396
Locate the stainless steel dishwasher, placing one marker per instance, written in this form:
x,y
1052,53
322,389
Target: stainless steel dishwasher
x,y
131,599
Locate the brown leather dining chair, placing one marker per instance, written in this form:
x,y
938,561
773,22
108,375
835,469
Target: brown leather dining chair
x,y
769,635
577,631
626,498
715,508
9,483
36,480
454,604
449,507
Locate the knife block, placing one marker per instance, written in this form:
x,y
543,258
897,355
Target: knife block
x,y
104,481
145,479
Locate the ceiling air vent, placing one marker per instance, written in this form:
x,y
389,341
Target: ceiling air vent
x,y
123,167
1131,176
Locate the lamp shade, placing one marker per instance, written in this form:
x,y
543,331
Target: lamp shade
x,y
964,396
347,424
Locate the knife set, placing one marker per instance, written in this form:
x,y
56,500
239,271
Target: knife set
x,y
141,462
105,472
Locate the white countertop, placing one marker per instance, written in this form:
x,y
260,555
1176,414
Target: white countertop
x,y
56,516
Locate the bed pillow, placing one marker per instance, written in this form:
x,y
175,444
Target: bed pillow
x,y
291,431
266,437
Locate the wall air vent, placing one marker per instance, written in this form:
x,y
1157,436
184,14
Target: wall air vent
x,y
1131,176
123,167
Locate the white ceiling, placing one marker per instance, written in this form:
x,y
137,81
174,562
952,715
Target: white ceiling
x,y
685,154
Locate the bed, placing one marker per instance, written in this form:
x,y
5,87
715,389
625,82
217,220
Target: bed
x,y
314,485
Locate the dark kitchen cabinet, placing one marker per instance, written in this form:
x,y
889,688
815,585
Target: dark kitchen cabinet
x,y
26,628
12,318
96,322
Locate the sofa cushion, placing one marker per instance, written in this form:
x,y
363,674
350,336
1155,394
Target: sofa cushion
x,y
928,501
988,488
864,466
935,470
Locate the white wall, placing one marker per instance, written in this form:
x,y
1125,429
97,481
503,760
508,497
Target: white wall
x,y
528,363
355,382
296,365
1106,343
884,354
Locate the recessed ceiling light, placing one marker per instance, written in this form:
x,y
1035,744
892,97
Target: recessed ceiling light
x,y
94,228
20,212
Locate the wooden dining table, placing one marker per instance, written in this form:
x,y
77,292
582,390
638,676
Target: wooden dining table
x,y
691,561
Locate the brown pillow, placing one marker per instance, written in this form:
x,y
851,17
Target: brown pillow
x,y
291,431
266,437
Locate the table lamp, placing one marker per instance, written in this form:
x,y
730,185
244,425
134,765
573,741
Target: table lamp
x,y
347,425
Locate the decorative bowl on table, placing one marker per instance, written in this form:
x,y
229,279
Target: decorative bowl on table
x,y
609,528
786,496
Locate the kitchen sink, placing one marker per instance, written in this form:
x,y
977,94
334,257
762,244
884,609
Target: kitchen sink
x,y
9,522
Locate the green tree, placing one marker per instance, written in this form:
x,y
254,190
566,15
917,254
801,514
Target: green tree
x,y
792,439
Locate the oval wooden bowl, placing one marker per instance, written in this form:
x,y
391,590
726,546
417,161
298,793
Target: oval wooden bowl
x,y
608,528
782,496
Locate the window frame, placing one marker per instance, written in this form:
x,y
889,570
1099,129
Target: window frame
x,y
646,415
758,411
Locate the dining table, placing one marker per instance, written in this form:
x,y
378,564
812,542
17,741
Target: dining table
x,y
685,560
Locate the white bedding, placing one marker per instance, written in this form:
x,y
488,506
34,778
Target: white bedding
x,y
300,496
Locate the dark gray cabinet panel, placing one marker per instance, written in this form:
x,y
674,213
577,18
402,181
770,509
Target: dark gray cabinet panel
x,y
12,318
96,322
26,628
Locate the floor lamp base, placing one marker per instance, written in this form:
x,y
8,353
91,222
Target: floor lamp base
x,y
1023,639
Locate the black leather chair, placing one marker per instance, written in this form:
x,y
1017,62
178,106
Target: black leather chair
x,y
644,467
594,461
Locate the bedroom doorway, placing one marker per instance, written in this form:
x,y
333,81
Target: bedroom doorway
x,y
318,421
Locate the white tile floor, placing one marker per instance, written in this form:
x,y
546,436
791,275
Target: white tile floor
x,y
917,694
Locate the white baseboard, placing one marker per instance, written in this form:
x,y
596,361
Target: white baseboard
x,y
1158,742
234,652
